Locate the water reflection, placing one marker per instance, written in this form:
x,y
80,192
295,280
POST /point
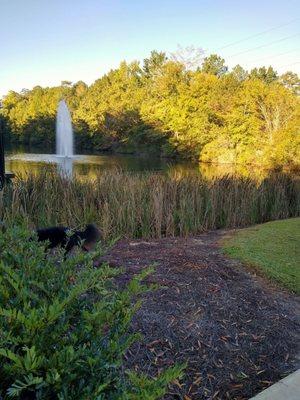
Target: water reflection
x,y
65,167
90,166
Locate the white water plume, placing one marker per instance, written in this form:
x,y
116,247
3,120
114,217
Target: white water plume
x,y
64,131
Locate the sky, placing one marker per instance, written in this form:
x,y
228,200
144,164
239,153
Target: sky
x,y
46,41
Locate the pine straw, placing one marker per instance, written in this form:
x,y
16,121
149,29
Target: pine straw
x,y
238,333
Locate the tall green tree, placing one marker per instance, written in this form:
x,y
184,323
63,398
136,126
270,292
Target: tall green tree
x,y
214,65
267,75
239,73
152,65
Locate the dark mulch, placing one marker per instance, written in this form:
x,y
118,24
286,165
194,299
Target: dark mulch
x,y
237,332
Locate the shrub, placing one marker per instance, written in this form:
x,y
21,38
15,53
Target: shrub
x,y
64,327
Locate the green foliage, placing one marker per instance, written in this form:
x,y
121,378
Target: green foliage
x,y
291,81
169,107
239,73
273,248
214,65
267,75
256,127
64,327
153,64
149,389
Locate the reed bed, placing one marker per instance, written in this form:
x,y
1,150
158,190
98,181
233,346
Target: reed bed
x,y
149,205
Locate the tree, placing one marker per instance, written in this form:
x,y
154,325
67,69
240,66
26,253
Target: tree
x,y
264,74
80,88
153,64
291,81
214,65
256,128
191,57
168,107
66,83
239,73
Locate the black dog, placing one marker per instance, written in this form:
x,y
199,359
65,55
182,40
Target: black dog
x,y
58,236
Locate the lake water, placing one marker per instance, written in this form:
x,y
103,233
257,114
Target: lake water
x,y
89,166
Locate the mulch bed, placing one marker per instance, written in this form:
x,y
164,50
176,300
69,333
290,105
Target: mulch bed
x,y
237,332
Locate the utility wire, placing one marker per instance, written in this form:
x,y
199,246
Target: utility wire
x,y
275,56
257,34
264,45
287,65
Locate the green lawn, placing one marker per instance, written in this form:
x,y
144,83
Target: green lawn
x,y
273,248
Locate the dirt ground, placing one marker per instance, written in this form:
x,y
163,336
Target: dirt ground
x,y
237,332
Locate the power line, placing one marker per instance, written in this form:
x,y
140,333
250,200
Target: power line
x,y
264,45
276,55
287,65
257,34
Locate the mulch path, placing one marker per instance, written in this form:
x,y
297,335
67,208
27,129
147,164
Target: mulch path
x,y
237,332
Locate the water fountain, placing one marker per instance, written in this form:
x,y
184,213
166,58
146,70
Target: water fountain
x,y
64,131
64,156
64,139
63,159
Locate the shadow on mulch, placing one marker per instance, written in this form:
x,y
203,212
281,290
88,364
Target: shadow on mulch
x,y
238,333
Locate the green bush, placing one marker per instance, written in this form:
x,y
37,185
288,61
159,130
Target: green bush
x,y
64,327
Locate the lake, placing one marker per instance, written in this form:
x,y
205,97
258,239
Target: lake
x,y
20,162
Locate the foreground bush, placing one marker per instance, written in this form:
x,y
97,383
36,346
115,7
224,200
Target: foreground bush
x,y
64,327
151,205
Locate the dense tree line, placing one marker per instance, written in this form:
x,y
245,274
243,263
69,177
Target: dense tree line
x,y
164,106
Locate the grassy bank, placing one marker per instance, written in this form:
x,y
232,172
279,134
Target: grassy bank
x,y
273,248
150,205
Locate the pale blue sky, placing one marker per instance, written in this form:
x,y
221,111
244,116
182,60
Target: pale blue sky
x,y
46,41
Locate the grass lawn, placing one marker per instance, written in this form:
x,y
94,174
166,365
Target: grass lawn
x,y
273,248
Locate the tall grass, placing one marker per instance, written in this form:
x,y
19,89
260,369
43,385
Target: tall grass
x,y
150,205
